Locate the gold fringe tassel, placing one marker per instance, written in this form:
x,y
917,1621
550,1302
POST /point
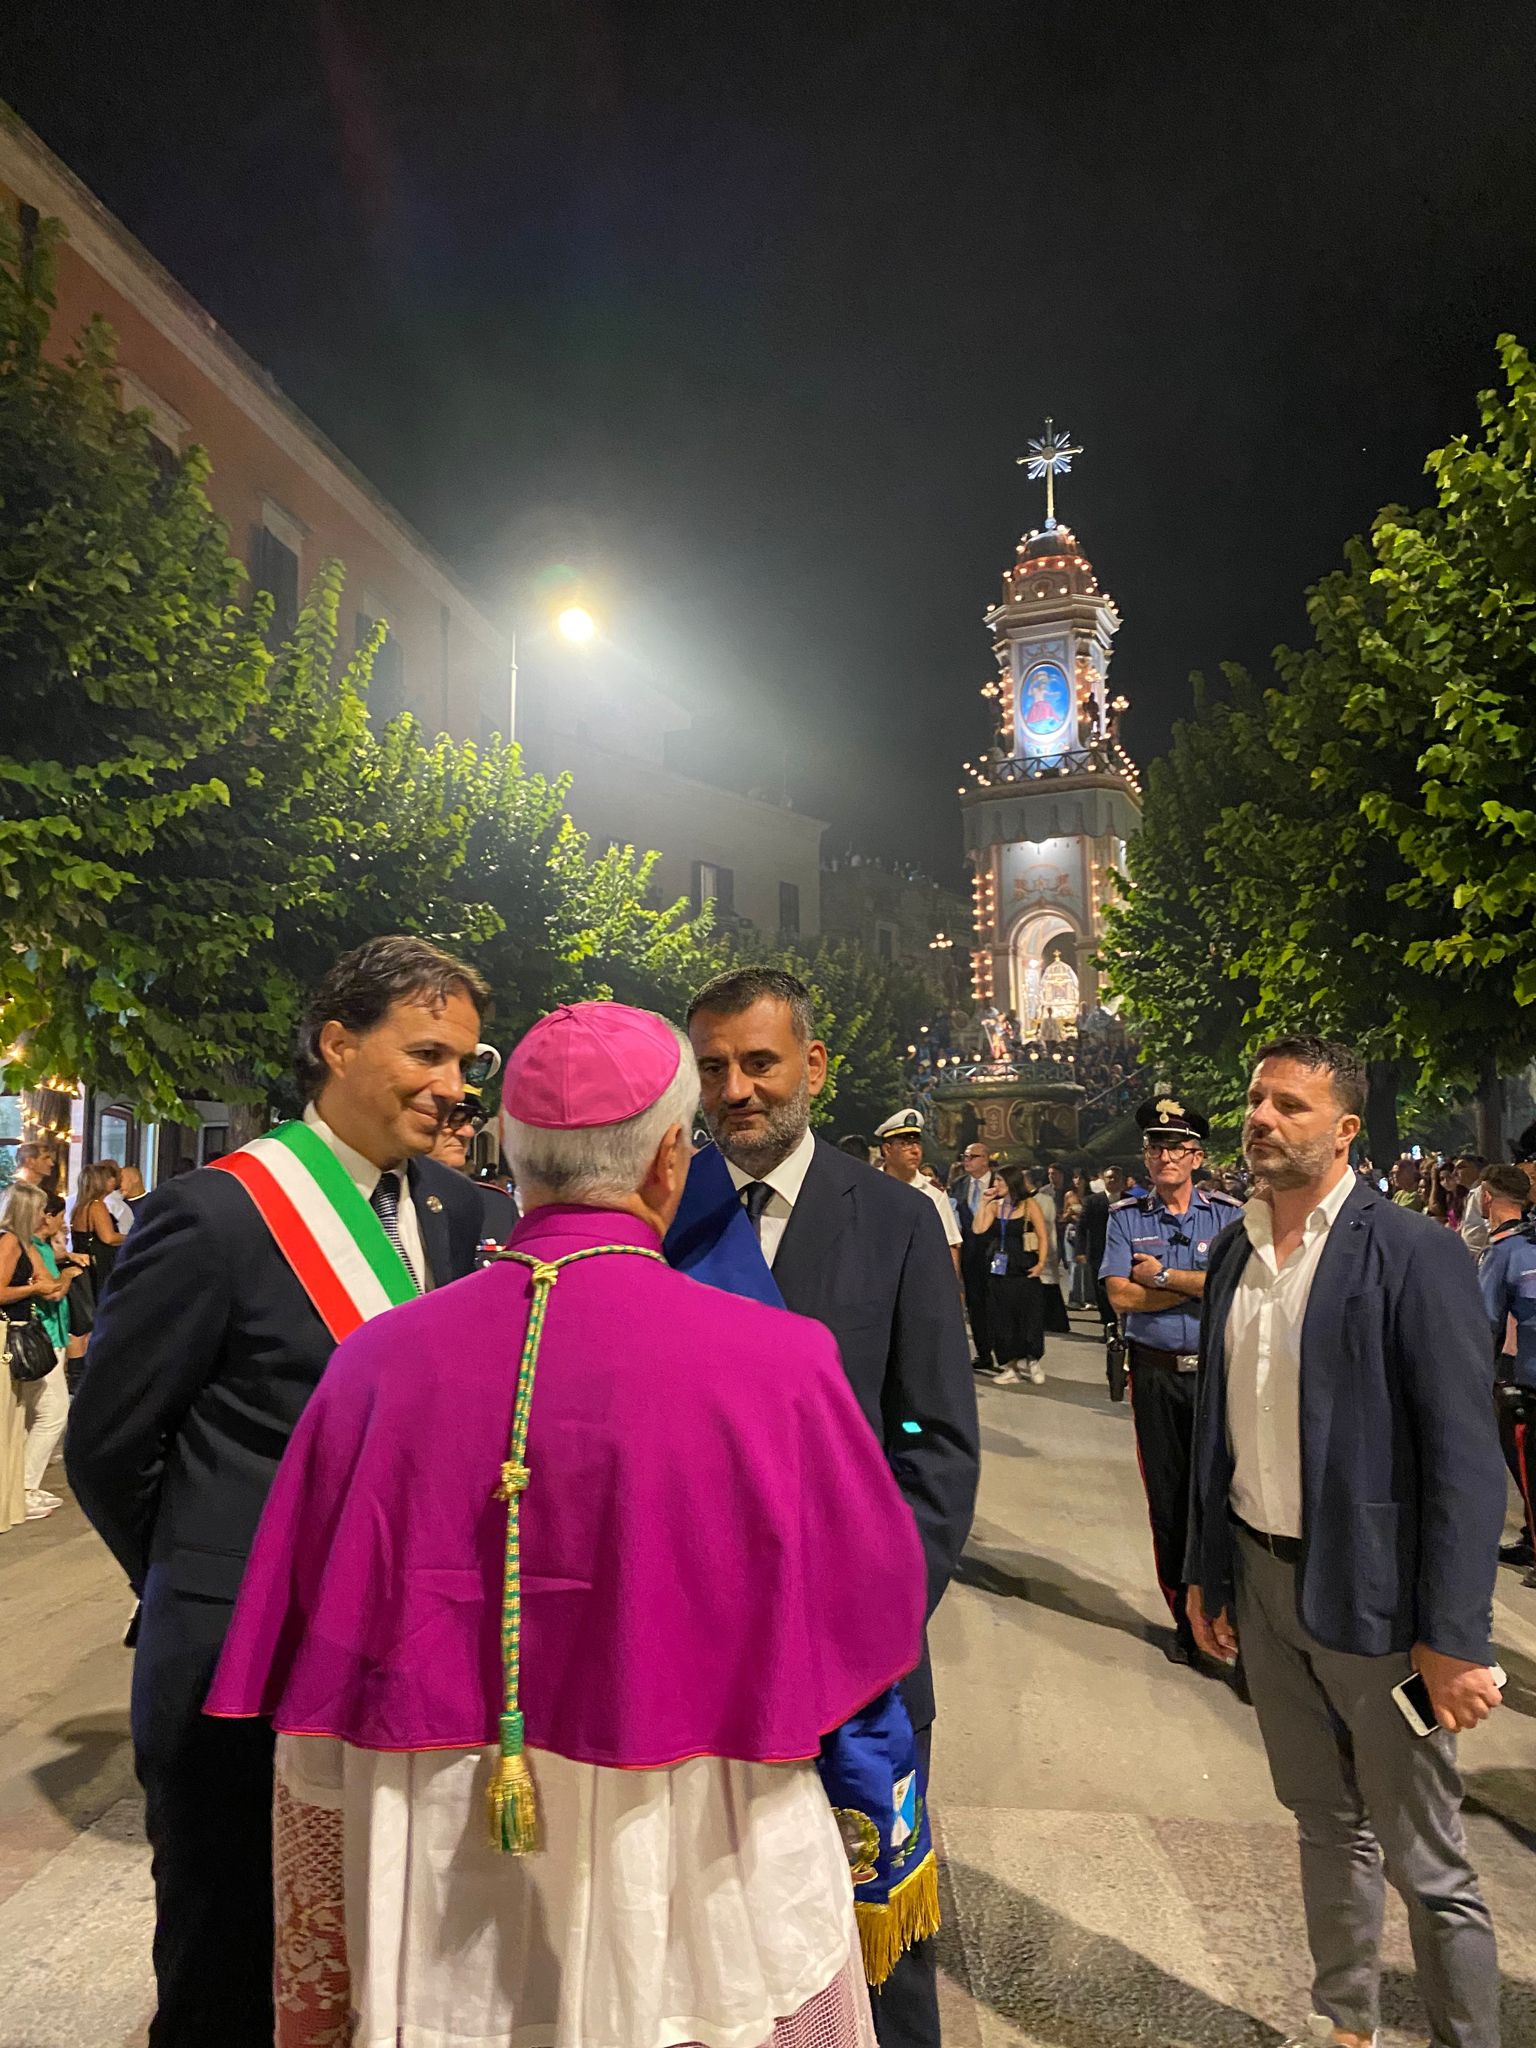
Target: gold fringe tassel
x,y
514,1807
910,1914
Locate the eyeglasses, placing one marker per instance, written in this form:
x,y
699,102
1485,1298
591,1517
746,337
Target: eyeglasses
x,y
1177,1150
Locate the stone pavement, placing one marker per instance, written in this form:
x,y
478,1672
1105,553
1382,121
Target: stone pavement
x,y
1119,1875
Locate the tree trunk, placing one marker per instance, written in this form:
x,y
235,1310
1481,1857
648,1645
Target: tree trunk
x,y
1381,1132
1490,1112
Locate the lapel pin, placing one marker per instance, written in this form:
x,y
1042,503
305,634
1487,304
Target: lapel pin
x,y
434,1203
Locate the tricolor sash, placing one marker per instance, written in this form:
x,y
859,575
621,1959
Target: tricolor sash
x,y
321,1224
869,1767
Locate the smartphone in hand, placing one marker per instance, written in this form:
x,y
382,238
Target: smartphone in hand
x,y
1413,1701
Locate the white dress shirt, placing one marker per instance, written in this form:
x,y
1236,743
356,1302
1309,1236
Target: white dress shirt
x,y
786,1180
1263,1358
365,1175
949,1223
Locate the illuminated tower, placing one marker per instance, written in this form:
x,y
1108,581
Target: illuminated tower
x,y
1049,807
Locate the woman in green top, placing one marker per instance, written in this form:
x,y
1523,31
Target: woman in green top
x,y
34,1286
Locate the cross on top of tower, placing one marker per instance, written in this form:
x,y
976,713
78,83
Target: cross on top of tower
x,y
1050,455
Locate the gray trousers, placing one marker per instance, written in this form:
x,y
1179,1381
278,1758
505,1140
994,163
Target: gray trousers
x,y
1365,1789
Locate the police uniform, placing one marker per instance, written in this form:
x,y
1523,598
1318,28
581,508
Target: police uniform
x,y
1163,1344
1507,1277
909,1123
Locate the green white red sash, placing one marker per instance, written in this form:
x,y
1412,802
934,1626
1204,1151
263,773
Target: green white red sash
x,y
321,1224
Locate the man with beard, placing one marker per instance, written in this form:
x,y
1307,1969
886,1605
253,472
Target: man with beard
x,y
1153,1273
865,1256
1346,1509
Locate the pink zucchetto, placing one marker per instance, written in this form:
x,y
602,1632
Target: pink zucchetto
x,y
587,1064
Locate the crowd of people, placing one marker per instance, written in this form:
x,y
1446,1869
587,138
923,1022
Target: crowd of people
x,y
438,1504
56,1256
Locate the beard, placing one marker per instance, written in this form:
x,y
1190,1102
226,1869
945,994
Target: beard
x,y
1282,1165
784,1125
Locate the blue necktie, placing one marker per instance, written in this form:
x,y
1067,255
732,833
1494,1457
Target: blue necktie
x,y
385,1204
754,1198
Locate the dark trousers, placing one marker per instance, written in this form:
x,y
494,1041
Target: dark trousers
x,y
1517,1426
1163,1408
975,1271
906,2007
208,1813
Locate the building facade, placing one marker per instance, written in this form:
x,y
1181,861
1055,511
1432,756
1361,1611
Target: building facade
x,y
896,916
289,498
757,861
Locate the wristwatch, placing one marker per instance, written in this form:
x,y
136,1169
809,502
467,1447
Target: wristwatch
x,y
1162,1278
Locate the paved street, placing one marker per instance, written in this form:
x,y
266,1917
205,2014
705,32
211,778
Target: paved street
x,y
1119,1871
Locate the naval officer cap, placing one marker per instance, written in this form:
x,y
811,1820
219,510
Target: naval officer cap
x,y
1165,1116
906,1123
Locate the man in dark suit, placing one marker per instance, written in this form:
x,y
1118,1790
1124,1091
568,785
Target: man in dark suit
x,y
1346,1508
866,1256
205,1350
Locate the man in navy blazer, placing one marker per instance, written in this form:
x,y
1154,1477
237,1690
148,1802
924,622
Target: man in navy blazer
x,y
866,1256
1346,1508
205,1351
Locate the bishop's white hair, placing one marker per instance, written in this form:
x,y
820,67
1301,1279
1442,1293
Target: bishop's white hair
x,y
607,1159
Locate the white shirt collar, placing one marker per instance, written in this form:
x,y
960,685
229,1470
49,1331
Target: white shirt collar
x,y
362,1171
1259,1217
787,1178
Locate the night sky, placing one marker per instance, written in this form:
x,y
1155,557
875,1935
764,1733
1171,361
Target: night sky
x,y
742,313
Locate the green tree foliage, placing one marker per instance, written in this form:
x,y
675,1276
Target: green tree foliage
x,y
193,827
126,667
1355,853
1454,672
1174,946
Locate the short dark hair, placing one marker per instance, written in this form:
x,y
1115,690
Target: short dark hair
x,y
1343,1066
740,987
365,984
1510,1182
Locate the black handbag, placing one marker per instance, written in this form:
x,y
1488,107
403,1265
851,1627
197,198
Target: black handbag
x,y
28,1352
81,1303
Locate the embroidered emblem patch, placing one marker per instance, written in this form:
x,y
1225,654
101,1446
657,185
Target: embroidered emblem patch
x,y
861,1842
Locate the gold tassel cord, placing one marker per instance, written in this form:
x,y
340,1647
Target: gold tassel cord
x,y
511,1800
910,1914
514,1808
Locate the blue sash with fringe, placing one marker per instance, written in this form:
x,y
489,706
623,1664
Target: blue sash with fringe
x,y
869,1766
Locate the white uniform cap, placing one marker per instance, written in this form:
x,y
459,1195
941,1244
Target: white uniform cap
x,y
905,1123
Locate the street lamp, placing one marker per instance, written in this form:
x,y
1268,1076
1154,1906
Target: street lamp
x,y
576,624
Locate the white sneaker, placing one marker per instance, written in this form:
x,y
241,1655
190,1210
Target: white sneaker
x,y
1006,1376
53,1500
1036,1373
41,1505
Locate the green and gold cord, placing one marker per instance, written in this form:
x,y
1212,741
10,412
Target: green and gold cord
x,y
514,1813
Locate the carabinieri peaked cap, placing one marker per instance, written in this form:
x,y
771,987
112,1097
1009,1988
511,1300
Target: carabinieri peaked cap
x,y
1165,1116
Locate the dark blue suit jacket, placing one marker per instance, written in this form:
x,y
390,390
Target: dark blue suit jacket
x,y
205,1351
1402,1480
866,1256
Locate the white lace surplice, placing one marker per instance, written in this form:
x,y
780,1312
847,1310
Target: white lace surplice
x,y
708,1903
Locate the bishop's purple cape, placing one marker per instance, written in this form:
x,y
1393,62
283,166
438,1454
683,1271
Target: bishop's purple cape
x,y
869,1765
716,1559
